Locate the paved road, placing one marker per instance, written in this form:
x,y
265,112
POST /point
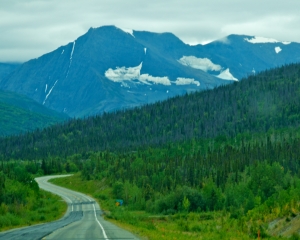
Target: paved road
x,y
82,221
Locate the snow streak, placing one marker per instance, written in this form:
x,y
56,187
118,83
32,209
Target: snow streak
x,y
49,92
71,56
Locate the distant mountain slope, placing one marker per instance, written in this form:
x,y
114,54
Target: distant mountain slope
x,y
246,55
104,70
7,68
20,114
110,68
269,100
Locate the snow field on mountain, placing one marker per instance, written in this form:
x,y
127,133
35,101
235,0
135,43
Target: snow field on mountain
x,y
226,75
129,31
278,49
121,74
203,64
264,40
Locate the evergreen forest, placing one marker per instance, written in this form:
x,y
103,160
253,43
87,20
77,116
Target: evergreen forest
x,y
230,153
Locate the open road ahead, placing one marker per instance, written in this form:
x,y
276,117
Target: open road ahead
x,y
82,221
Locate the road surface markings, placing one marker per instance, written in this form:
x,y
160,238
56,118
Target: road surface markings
x,y
103,232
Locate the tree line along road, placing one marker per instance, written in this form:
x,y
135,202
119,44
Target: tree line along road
x,y
82,220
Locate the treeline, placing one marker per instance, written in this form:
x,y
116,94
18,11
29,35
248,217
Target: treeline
x,y
160,171
269,100
21,201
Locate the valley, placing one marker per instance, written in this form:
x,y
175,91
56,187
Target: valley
x,y
205,151
211,164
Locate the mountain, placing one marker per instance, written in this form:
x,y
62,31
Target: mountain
x,y
7,68
20,114
248,55
269,100
110,68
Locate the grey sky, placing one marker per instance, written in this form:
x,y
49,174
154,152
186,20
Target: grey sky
x,y
30,28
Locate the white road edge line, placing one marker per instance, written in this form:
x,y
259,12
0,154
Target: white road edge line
x,y
103,232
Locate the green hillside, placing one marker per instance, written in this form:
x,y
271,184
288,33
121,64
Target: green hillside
x,y
218,164
21,114
269,100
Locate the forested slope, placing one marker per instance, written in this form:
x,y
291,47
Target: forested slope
x,y
233,151
20,114
268,100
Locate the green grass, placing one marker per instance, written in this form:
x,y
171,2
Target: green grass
x,y
48,208
205,225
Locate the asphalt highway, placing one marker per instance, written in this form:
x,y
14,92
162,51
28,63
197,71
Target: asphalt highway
x,y
82,220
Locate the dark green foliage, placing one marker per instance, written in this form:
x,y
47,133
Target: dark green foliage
x,y
267,101
20,114
215,150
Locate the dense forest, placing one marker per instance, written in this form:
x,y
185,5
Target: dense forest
x,y
234,149
268,100
21,201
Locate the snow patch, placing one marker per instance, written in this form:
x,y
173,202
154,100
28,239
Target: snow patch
x,y
203,64
278,49
124,84
224,40
156,80
129,31
264,40
192,44
71,56
46,88
63,51
134,73
49,92
226,75
123,73
145,50
186,81
72,50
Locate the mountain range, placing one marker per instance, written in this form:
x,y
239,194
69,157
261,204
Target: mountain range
x,y
111,68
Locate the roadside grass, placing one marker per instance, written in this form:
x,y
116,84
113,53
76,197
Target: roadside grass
x,y
180,226
47,208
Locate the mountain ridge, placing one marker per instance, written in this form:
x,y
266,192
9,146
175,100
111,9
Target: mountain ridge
x,y
108,69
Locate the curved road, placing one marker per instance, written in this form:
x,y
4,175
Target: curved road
x,y
82,220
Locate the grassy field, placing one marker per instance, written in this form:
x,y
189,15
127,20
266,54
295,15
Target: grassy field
x,y
49,208
181,226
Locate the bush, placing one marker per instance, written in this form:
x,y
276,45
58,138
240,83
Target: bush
x,y
196,228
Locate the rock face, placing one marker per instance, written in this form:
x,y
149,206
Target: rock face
x,y
109,68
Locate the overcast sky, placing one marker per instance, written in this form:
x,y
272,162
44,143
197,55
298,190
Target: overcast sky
x,y
30,28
